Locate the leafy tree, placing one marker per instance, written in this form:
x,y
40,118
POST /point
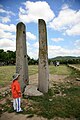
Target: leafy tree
x,y
9,57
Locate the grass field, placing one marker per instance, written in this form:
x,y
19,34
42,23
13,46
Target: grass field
x,y
62,100
60,70
6,72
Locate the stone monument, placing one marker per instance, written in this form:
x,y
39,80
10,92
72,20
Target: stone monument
x,y
43,71
21,55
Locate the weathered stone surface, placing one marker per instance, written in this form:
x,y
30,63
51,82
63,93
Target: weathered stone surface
x,y
31,90
43,75
21,55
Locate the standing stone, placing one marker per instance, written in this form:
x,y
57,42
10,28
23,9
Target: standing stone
x,y
43,75
21,55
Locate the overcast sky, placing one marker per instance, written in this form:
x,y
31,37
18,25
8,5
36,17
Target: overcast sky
x,y
62,19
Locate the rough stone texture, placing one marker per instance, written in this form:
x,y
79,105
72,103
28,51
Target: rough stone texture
x,y
43,77
21,55
31,90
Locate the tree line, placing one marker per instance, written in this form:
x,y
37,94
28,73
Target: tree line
x,y
9,58
65,60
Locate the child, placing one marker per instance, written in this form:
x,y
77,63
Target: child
x,y
16,93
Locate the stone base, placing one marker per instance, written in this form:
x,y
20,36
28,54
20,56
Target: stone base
x,y
31,90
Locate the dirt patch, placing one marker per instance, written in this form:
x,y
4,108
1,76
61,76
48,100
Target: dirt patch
x,y
33,79
14,116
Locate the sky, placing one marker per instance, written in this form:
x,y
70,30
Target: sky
x,y
62,19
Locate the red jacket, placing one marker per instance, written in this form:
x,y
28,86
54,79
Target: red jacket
x,y
15,89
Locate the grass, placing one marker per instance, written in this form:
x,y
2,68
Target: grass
x,y
51,105
62,100
59,70
6,72
33,69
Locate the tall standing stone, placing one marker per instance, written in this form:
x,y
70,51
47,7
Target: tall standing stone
x,y
21,55
43,74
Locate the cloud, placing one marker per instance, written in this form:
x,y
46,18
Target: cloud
x,y
9,28
7,36
7,31
6,11
8,39
33,54
65,6
5,19
54,51
30,36
75,30
34,11
66,21
77,43
23,11
33,50
7,44
5,15
36,45
57,39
